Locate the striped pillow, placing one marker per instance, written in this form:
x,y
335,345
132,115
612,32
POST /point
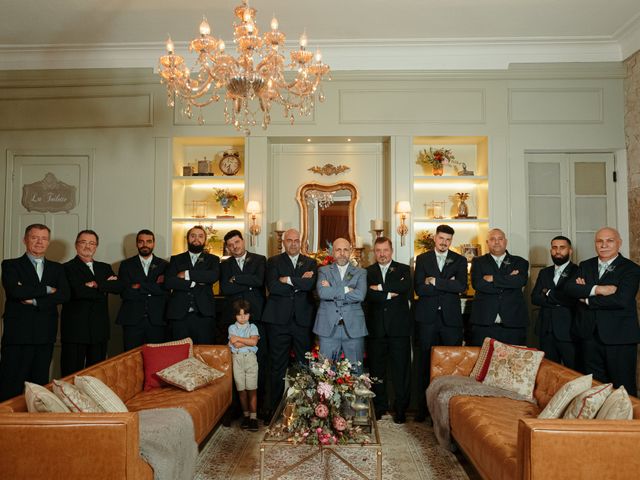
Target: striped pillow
x,y
484,359
74,399
100,393
42,400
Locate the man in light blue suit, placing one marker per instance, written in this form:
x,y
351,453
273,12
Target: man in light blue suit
x,y
340,322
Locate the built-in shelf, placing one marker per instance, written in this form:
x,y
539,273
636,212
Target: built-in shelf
x,y
450,220
449,178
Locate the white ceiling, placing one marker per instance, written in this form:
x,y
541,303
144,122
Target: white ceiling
x,y
353,34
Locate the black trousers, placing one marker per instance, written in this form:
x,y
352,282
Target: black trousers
x,y
200,328
610,363
393,353
76,356
430,335
142,332
282,339
510,335
23,363
558,351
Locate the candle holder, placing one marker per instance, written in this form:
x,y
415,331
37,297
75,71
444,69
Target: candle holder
x,y
279,234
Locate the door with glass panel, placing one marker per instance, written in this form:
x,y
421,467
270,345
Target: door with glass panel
x,y
571,194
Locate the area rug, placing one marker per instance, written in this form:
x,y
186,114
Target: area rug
x,y
409,452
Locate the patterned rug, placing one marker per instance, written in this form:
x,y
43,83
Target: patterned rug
x,y
409,451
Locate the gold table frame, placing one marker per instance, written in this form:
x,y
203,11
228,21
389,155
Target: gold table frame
x,y
325,452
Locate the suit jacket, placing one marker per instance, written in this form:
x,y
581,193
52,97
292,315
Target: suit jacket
x,y
615,316
149,299
286,300
246,284
557,309
389,316
85,317
502,296
32,324
336,305
445,295
204,274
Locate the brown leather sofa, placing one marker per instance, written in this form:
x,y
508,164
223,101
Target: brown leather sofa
x,y
505,441
105,445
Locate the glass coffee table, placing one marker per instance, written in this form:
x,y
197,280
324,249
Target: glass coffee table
x,y
282,460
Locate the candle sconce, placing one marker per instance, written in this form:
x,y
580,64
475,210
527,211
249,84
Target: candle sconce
x,y
404,209
253,209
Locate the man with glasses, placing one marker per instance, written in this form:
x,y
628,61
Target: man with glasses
x,y
85,326
34,287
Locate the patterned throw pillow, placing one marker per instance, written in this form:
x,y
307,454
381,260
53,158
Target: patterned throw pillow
x,y
100,393
556,406
587,403
42,400
617,406
183,341
484,358
155,359
190,374
74,398
513,368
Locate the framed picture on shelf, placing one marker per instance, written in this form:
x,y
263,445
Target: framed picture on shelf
x,y
470,250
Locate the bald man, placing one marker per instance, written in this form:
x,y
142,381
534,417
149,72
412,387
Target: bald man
x,y
340,322
499,310
607,318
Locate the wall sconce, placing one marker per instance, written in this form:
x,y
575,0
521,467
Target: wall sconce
x,y
404,209
253,209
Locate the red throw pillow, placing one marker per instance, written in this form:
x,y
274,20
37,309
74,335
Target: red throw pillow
x,y
155,359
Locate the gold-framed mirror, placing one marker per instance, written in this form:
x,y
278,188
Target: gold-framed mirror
x,y
326,213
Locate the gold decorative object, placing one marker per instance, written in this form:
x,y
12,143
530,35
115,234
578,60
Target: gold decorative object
x,y
198,208
329,169
250,82
463,209
230,162
404,209
436,210
253,209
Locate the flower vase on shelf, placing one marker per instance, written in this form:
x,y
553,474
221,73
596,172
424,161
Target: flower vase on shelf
x,y
437,170
225,198
437,159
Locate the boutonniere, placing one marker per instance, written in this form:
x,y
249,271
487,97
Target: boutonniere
x,y
392,269
246,259
152,267
564,274
348,276
448,261
200,260
506,262
610,268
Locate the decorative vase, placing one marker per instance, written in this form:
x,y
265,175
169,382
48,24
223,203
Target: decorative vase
x,y
437,170
226,204
463,209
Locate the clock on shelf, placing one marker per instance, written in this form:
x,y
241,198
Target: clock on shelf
x,y
230,163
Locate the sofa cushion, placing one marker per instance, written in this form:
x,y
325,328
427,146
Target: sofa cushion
x,y
513,368
100,393
74,398
189,374
42,400
563,397
182,341
155,359
617,406
587,403
484,359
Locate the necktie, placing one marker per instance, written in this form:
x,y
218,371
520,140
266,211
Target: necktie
x,y
240,263
556,276
145,267
441,259
602,268
384,272
499,263
90,265
39,268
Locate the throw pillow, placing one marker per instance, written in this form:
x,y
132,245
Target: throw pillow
x,y
556,406
587,403
74,398
484,358
155,359
42,400
190,374
617,406
183,341
513,368
100,393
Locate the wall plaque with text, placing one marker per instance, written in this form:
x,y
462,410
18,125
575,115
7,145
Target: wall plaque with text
x,y
49,195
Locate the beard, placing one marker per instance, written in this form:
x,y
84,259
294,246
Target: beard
x,y
145,251
196,248
557,261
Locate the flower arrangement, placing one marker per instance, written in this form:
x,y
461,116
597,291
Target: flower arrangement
x,y
436,158
425,241
320,403
324,257
225,198
212,238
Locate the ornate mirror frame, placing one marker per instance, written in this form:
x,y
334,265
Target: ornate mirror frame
x,y
304,213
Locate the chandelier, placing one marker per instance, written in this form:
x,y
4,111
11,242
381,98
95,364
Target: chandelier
x,y
252,81
322,199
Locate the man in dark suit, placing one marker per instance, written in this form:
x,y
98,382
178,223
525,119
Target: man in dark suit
x,y
289,312
190,277
389,326
85,326
440,278
242,278
143,296
34,287
499,310
557,309
607,318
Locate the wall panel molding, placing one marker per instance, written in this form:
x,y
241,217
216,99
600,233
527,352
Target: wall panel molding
x,y
556,105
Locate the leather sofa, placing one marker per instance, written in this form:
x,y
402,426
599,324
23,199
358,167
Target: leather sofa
x,y
105,445
504,440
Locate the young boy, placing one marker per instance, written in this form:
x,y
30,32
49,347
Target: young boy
x,y
243,340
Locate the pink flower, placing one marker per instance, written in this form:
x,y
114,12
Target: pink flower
x,y
339,423
325,390
322,410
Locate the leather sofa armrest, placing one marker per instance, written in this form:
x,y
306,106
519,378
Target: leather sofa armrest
x,y
71,445
453,360
216,356
578,449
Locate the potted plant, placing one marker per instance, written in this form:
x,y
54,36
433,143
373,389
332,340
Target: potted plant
x,y
437,159
225,198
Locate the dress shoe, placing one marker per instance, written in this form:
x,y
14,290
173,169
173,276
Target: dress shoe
x,y
245,423
399,417
253,425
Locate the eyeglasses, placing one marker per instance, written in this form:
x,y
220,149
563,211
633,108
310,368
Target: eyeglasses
x,y
84,242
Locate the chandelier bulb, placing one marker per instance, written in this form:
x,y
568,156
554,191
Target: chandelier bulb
x,y
303,40
169,45
250,27
318,55
274,23
247,13
205,29
221,46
